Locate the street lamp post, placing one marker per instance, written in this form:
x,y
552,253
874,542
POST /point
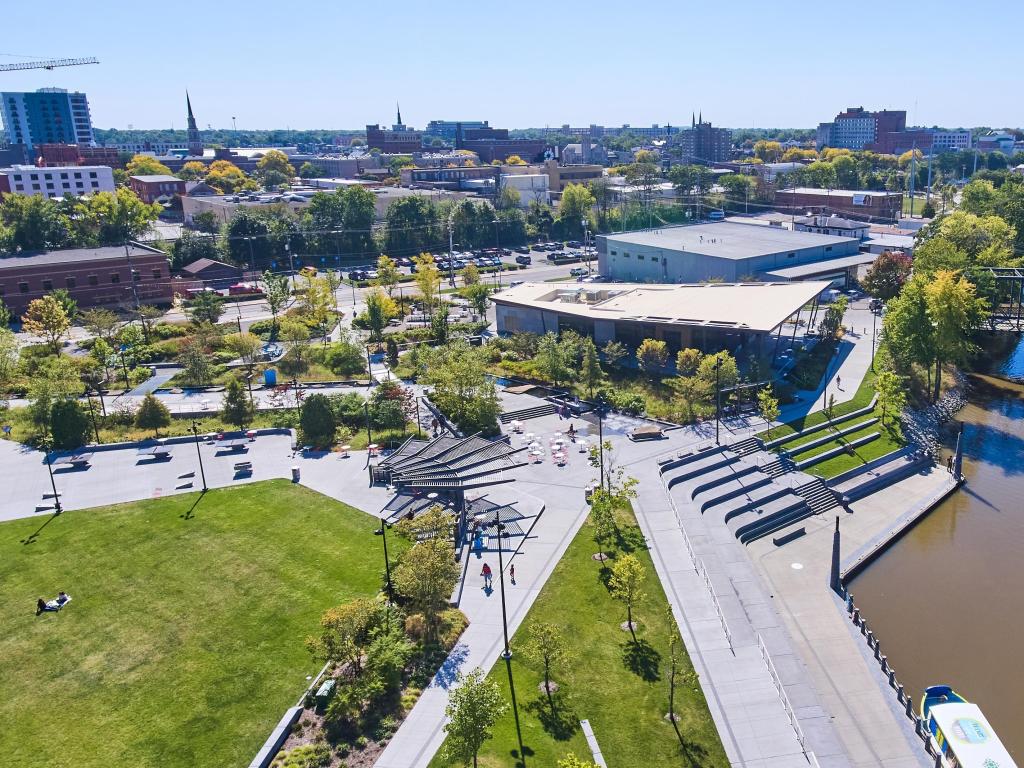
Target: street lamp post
x,y
497,245
874,325
383,533
507,655
295,386
92,415
586,240
451,266
124,369
718,398
202,473
600,437
366,410
57,509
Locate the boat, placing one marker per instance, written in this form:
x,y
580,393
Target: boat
x,y
959,731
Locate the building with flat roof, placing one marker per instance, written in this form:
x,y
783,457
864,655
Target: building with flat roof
x,y
156,187
703,143
60,181
726,251
46,116
710,317
861,204
109,276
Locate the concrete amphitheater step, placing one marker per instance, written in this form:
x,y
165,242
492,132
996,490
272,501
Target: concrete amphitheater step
x,y
733,492
709,481
757,516
701,466
755,497
777,523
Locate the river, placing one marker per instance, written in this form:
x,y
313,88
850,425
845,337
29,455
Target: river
x,y
947,601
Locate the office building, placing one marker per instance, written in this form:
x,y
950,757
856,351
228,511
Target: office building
x,y
400,140
709,317
109,276
726,251
56,182
857,128
702,142
447,130
46,116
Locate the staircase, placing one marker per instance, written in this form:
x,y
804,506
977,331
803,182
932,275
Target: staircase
x,y
528,413
746,447
779,467
819,496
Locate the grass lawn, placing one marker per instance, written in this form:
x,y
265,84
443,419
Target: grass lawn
x,y
183,644
619,686
890,437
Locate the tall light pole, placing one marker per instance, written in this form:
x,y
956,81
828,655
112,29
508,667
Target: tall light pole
x,y
383,533
195,433
451,266
586,240
497,246
874,324
507,655
718,397
57,509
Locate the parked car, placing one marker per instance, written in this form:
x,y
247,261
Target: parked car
x,y
524,260
579,271
574,244
357,275
522,249
876,305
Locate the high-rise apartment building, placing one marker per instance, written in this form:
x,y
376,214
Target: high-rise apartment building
x,y
856,128
46,116
702,142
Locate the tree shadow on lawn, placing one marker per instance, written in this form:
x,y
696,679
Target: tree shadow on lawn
x,y
695,754
630,540
640,658
557,716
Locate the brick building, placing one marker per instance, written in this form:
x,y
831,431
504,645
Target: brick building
x,y
156,188
110,276
863,205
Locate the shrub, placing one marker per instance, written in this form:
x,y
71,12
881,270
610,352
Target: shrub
x,y
344,359
168,331
316,755
69,424
262,328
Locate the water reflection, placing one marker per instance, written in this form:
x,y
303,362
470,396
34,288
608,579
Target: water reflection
x,y
946,601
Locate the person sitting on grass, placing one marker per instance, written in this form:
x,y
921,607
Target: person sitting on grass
x,y
62,597
40,606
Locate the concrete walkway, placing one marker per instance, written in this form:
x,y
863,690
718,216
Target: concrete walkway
x,y
743,697
871,727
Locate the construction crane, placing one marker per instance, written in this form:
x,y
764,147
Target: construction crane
x,y
48,64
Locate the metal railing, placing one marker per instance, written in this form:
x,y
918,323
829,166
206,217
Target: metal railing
x,y
703,571
784,697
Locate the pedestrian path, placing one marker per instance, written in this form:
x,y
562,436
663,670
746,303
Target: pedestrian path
x,y
766,712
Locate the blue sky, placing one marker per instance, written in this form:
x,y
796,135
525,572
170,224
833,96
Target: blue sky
x,y
529,63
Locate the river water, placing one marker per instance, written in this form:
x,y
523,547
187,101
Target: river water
x,y
947,600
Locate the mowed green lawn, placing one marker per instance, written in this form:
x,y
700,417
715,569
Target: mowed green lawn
x,y
619,686
183,643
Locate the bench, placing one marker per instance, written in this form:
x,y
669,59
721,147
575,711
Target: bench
x,y
243,467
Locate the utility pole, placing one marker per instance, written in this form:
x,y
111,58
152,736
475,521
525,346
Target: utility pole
x,y
49,466
913,173
383,533
928,188
92,415
131,273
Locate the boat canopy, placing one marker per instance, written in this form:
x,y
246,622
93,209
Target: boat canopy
x,y
969,736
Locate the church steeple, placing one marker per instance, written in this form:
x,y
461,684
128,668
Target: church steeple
x,y
398,109
195,141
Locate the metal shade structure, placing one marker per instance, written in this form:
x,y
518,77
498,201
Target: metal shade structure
x,y
440,471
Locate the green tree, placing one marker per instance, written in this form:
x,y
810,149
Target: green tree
x,y
275,161
457,373
147,314
146,165
552,362
9,357
195,364
237,408
572,761
64,299
768,407
33,223
602,518
767,151
309,171
576,205
295,360
477,294
886,277
832,322
317,421
652,356
276,292
380,309
728,373
470,275
152,414
425,576
193,170
387,274
892,393
473,709
955,311
226,177
545,645
687,361
347,631
626,585
69,426
590,369
47,317
428,280
5,315
102,352
907,329
119,216
206,307
614,352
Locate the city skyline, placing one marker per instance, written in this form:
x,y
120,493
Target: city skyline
x,y
542,70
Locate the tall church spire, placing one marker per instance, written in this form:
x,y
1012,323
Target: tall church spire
x,y
195,141
398,109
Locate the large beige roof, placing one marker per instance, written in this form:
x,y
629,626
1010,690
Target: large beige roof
x,y
747,306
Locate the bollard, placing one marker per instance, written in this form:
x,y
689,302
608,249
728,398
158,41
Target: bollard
x,y
878,650
849,602
938,759
892,677
871,638
863,626
910,708
856,616
919,727
900,693
885,664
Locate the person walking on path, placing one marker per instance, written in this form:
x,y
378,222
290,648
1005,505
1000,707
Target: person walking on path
x,y
512,572
839,382
486,573
949,463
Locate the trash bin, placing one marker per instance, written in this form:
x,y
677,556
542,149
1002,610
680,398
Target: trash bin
x,y
295,474
270,377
